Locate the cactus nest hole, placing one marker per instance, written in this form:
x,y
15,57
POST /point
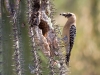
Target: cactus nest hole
x,y
44,27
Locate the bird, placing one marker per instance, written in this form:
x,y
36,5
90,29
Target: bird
x,y
69,34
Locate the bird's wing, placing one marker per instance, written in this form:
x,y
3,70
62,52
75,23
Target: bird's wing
x,y
72,36
71,43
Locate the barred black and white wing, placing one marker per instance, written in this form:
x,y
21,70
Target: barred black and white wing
x,y
71,42
72,36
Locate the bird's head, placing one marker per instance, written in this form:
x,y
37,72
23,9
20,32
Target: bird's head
x,y
68,15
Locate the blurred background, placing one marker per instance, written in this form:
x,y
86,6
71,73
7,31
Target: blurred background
x,y
85,57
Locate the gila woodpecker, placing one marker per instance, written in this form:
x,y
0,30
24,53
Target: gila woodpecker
x,y
68,34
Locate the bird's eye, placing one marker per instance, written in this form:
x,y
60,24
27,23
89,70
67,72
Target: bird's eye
x,y
69,15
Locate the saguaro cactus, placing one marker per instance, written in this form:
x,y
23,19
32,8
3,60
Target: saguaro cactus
x,y
29,41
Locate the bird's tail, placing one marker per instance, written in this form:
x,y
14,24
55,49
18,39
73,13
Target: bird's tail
x,y
67,59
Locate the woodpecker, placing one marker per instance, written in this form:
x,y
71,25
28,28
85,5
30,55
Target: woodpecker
x,y
69,34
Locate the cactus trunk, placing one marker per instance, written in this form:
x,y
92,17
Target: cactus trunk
x,y
21,33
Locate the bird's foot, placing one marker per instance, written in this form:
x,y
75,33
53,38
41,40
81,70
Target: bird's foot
x,y
57,63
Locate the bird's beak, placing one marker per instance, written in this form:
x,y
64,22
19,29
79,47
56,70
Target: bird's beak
x,y
63,14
